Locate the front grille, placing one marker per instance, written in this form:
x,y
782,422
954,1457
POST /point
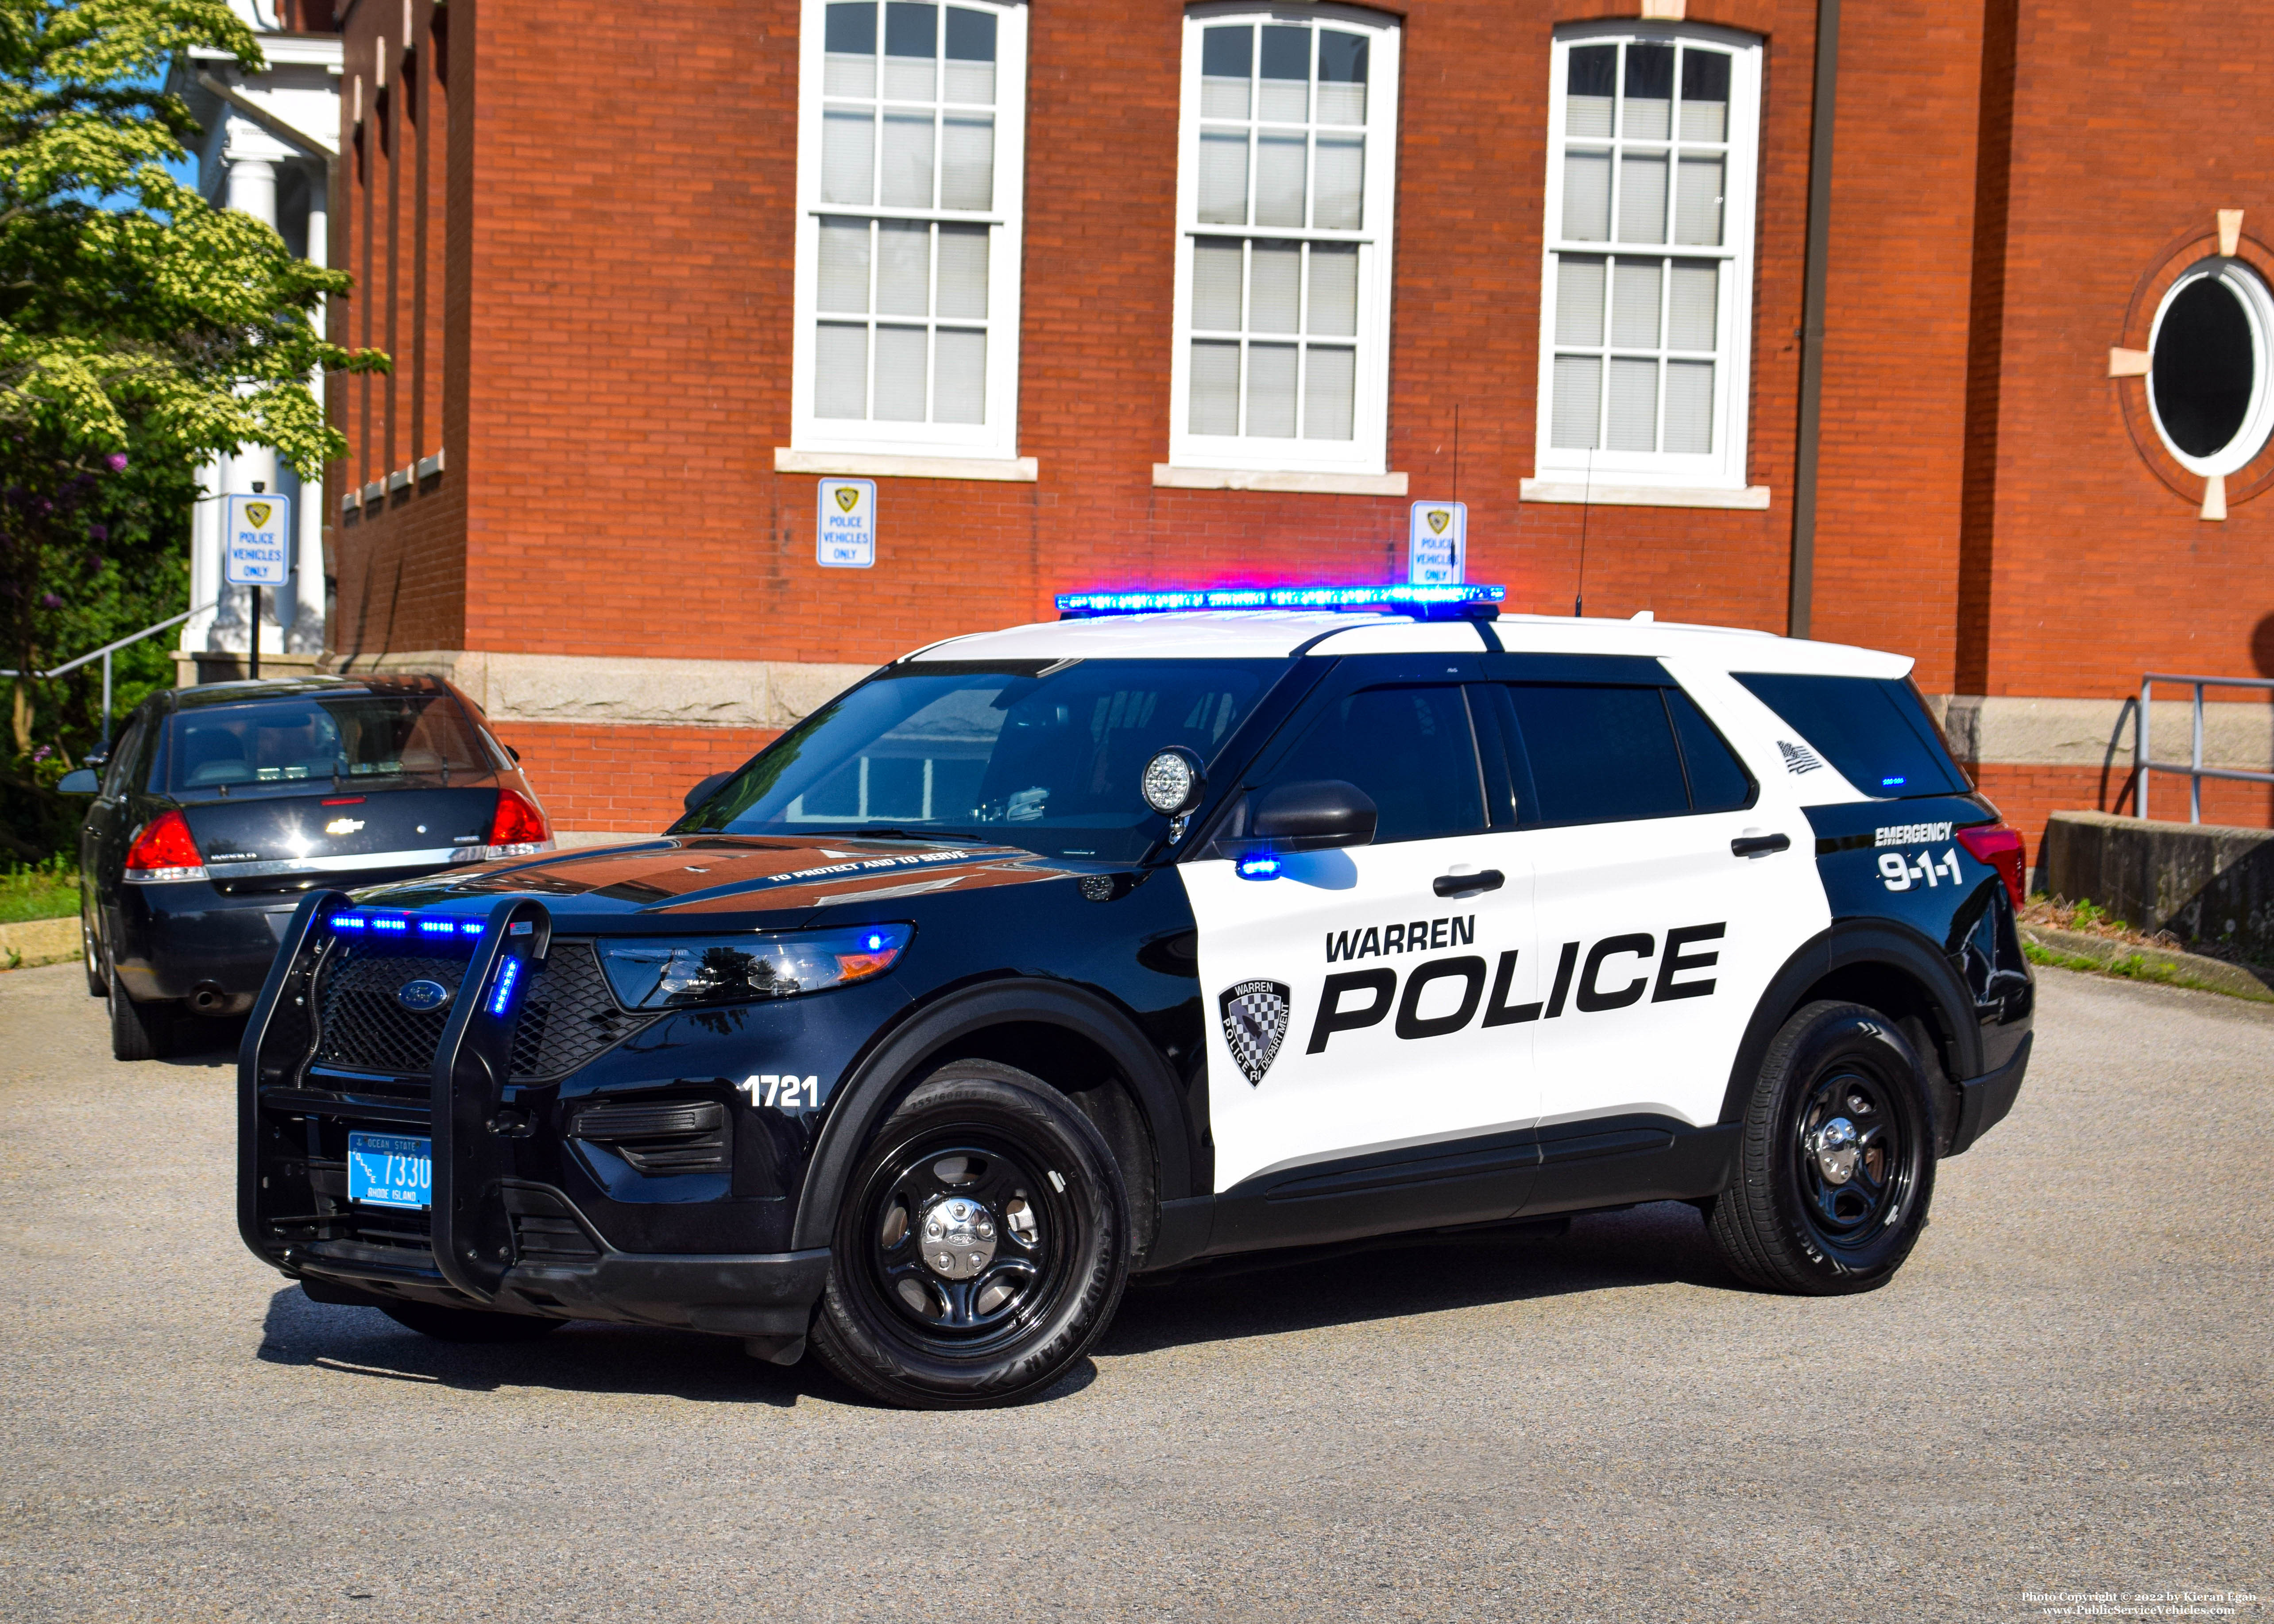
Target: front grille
x,y
566,1015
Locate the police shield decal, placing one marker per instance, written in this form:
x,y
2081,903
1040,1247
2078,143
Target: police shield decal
x,y
1255,1024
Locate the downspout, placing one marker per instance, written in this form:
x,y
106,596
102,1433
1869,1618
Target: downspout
x,y
1811,318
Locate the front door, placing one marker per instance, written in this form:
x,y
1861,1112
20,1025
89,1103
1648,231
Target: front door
x,y
1358,1005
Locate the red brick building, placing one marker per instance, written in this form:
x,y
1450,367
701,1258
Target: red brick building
x,y
1138,292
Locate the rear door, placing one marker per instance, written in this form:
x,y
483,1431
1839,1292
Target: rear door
x,y
1663,912
1350,1001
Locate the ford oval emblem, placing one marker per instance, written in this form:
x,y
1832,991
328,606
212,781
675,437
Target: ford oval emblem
x,y
423,997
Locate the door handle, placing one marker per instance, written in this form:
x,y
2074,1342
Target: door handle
x,y
1462,884
1759,846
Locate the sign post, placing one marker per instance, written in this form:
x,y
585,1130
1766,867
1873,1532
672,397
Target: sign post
x,y
1438,552
256,552
846,537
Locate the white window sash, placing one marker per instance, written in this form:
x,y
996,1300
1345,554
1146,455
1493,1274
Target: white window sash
x,y
998,438
1724,466
1367,451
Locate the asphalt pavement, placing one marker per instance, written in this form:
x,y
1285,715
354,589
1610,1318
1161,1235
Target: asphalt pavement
x,y
2066,1392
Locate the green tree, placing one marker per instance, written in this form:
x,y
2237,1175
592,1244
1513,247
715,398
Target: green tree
x,y
141,331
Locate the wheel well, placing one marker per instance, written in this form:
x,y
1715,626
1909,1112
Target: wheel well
x,y
1897,994
1086,1073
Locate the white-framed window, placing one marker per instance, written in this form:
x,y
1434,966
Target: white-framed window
x,y
1646,305
2207,384
1286,180
910,174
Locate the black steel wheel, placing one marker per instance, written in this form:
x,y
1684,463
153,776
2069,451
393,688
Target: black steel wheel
x,y
981,1247
1836,1162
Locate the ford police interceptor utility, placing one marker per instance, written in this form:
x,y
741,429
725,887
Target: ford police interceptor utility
x,y
1163,932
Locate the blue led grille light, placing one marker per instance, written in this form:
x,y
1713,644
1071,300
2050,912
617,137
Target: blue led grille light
x,y
1398,596
360,923
509,977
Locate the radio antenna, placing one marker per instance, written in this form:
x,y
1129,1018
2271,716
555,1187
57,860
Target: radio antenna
x,y
1586,501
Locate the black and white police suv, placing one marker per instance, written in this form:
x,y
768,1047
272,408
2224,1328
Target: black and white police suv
x,y
1052,955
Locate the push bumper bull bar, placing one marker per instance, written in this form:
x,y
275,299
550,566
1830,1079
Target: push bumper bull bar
x,y
478,1201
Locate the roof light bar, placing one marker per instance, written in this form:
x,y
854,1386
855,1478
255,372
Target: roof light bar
x,y
1462,602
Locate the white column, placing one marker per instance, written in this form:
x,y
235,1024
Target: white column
x,y
251,191
205,559
308,575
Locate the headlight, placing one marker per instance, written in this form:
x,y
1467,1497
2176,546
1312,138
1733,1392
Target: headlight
x,y
672,972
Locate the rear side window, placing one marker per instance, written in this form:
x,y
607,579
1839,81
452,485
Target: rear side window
x,y
1875,731
1409,749
1718,780
1589,754
1596,754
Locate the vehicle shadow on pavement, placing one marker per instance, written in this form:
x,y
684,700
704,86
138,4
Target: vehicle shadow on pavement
x,y
1659,1244
1662,1244
583,1357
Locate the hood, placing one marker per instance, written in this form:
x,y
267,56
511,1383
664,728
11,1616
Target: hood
x,y
693,876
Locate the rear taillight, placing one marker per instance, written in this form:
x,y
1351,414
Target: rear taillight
x,y
165,850
519,828
2001,848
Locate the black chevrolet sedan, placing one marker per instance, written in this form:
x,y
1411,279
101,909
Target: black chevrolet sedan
x,y
221,805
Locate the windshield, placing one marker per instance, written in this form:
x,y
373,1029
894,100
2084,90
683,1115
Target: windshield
x,y
1044,756
355,736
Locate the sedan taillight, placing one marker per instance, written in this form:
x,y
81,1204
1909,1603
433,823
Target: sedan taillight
x,y
165,850
518,829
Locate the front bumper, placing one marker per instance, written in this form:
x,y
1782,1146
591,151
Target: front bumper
x,y
508,1229
562,1269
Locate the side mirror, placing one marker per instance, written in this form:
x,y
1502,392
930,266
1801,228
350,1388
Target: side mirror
x,y
83,781
702,792
1314,816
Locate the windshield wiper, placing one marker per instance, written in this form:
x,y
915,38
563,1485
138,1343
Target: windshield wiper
x,y
880,832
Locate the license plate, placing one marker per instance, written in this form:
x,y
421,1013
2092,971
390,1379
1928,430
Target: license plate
x,y
389,1169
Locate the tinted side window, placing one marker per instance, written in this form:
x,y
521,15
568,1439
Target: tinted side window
x,y
1718,780
1874,732
1596,754
1409,749
119,773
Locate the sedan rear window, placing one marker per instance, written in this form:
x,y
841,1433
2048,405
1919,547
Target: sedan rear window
x,y
349,737
1876,732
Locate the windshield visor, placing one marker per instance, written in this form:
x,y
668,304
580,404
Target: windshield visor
x,y
1046,757
306,743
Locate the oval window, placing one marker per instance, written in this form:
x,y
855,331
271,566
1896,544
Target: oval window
x,y
2206,386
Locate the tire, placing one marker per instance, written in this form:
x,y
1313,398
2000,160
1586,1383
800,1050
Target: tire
x,y
98,985
469,1325
138,1031
1836,1160
1037,1233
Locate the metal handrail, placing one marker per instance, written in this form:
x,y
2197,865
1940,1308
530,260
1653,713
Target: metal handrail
x,y
104,654
2142,765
